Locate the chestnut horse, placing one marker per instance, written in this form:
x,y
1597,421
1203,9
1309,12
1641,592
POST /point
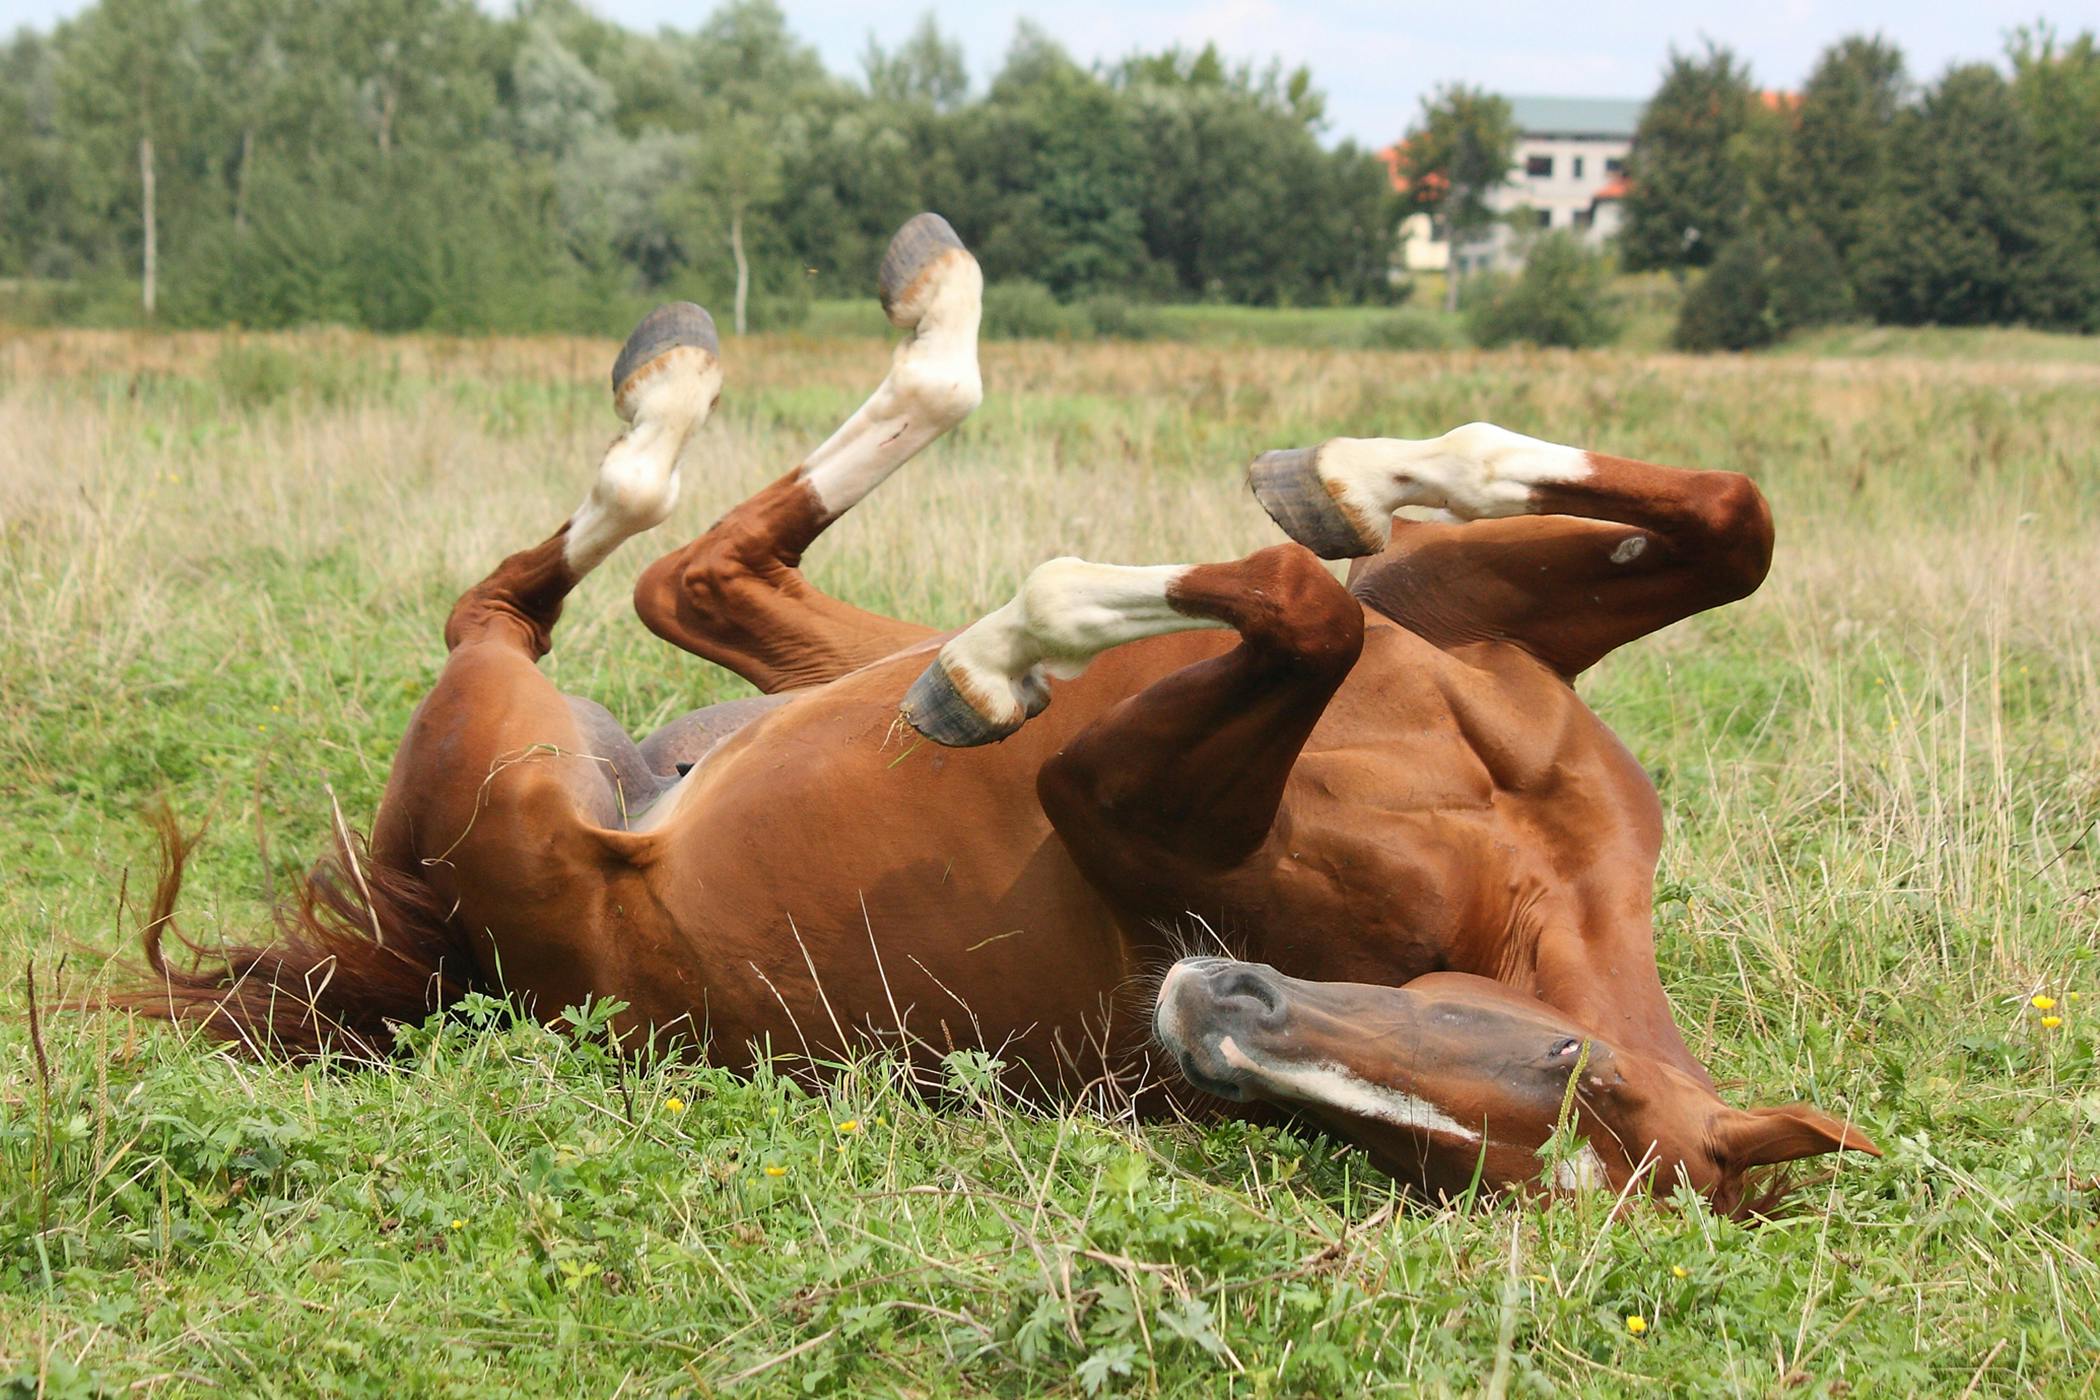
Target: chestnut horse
x,y
1361,784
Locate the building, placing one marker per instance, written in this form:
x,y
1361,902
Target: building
x,y
1569,174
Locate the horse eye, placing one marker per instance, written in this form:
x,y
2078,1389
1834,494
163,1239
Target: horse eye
x,y
1566,1047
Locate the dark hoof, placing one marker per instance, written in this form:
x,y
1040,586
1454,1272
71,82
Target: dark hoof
x,y
938,709
1291,491
923,240
671,325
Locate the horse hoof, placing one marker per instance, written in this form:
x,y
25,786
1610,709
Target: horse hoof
x,y
923,242
938,709
672,326
1289,486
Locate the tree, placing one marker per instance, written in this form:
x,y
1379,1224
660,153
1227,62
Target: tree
x,y
751,81
1971,233
1842,144
1454,157
128,86
1688,195
927,68
2058,88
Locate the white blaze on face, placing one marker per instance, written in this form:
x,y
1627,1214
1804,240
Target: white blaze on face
x,y
933,384
1332,1087
1477,472
637,481
1067,612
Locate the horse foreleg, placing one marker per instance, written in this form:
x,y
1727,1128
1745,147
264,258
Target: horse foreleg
x,y
1185,778
736,595
1630,546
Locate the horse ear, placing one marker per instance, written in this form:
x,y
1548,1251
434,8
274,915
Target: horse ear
x,y
1762,1136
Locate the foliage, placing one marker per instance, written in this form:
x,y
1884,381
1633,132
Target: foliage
x,y
1971,232
1975,202
1686,167
1877,791
621,166
1560,298
1843,147
1456,155
1766,284
1018,309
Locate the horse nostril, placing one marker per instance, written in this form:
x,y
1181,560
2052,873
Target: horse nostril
x,y
1255,988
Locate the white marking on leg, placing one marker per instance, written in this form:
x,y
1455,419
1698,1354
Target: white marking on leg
x,y
933,384
1629,549
1477,472
1067,612
1331,1086
637,482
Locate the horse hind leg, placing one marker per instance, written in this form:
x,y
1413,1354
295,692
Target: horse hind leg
x,y
491,706
736,595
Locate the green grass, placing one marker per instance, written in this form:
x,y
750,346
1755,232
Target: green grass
x,y
222,570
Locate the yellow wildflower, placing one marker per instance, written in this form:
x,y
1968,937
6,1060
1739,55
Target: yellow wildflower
x,y
776,1171
458,1224
2050,1023
850,1125
2070,996
2042,1003
674,1104
1679,1271
1636,1324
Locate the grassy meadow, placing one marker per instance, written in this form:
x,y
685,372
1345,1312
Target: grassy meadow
x,y
224,562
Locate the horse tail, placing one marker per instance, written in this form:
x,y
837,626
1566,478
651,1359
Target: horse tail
x,y
360,949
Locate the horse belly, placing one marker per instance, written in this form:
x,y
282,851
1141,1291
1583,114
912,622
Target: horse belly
x,y
838,882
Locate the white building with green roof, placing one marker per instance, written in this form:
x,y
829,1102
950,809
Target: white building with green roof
x,y
1569,173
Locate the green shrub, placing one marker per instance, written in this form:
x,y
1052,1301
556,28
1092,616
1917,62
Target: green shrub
x,y
1410,330
1120,318
1763,286
1018,309
1560,298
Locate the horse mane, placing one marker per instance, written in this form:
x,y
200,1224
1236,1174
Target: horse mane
x,y
360,948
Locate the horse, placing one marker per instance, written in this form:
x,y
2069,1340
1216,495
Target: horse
x,y
1365,782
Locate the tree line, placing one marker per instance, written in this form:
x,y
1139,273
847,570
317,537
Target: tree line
x,y
403,164
1971,200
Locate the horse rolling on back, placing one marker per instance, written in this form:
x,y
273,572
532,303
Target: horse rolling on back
x,y
1365,783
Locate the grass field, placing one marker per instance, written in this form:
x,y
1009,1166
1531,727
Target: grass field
x,y
223,565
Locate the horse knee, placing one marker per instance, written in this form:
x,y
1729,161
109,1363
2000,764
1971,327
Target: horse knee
x,y
1283,600
1735,533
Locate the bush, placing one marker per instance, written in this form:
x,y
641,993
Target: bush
x,y
1409,330
1120,318
1018,309
1763,286
1559,299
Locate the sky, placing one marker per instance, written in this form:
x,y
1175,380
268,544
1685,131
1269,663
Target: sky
x,y
1375,59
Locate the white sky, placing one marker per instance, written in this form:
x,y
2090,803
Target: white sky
x,y
1375,58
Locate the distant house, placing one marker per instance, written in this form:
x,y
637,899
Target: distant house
x,y
1569,173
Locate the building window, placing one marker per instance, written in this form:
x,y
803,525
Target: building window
x,y
1545,218
1539,167
1614,166
1577,172
1585,217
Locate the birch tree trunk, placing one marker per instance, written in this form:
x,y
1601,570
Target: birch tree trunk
x,y
151,259
743,268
